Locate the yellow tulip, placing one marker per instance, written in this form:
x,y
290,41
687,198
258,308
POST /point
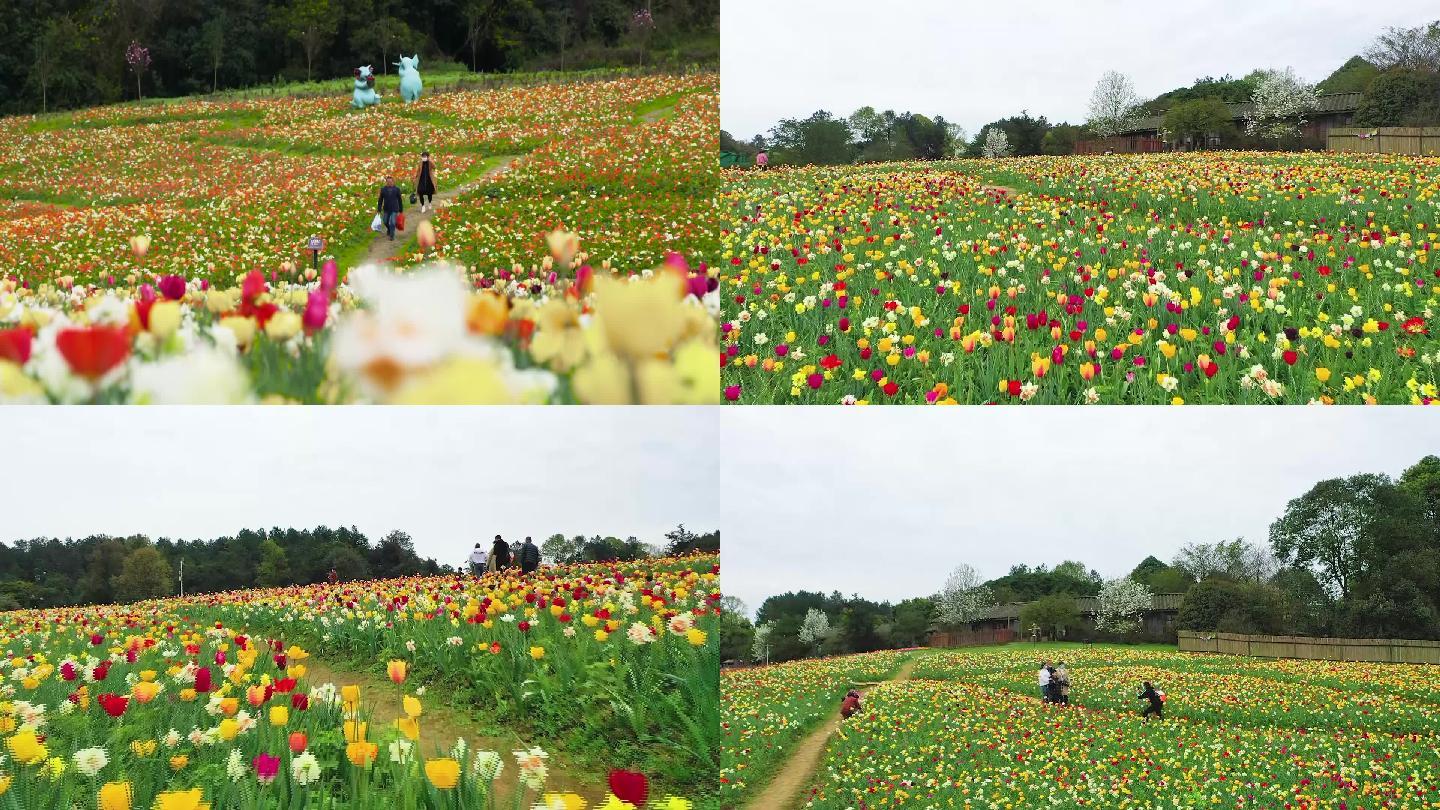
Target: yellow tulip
x,y
115,796
361,753
443,773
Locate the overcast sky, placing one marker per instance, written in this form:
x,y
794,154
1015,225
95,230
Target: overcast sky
x,y
975,62
447,476
884,502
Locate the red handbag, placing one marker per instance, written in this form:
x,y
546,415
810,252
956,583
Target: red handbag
x,y
399,222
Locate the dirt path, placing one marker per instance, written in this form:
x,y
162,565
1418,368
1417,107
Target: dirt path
x,y
795,774
441,725
1005,190
655,115
383,250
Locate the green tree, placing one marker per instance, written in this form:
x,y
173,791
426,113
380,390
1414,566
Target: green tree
x,y
558,549
911,623
1395,98
385,34
1329,528
1053,616
212,47
146,574
1352,77
820,140
1232,607
274,566
311,23
106,561
737,635
348,564
1196,122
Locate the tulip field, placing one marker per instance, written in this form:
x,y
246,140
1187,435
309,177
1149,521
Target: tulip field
x,y
765,710
1217,278
970,731
157,253
208,701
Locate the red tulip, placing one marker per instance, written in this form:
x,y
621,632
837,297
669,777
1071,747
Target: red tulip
x,y
114,705
202,679
15,345
629,786
93,352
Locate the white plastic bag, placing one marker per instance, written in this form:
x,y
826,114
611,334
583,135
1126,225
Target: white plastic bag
x,y
377,224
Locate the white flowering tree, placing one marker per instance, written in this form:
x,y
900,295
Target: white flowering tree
x,y
1121,603
997,143
1113,104
1279,105
760,646
815,627
964,598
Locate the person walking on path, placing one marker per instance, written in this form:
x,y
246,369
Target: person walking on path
x,y
762,160
1045,681
1157,702
390,205
425,183
1062,682
477,560
499,554
529,556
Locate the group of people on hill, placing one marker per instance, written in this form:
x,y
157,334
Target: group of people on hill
x,y
1054,683
1055,688
501,557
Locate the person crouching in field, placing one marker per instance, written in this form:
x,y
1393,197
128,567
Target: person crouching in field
x,y
1157,702
390,205
477,560
850,704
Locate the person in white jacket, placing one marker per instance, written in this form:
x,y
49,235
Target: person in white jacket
x,y
477,560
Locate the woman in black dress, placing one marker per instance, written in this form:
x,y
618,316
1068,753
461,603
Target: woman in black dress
x,y
425,183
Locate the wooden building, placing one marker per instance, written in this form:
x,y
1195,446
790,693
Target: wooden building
x,y
1147,135
1001,624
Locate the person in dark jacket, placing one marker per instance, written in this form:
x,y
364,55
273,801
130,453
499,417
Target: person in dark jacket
x,y
1157,702
425,183
850,705
390,205
499,554
529,555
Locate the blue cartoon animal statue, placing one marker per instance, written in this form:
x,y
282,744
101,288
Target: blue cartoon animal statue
x,y
365,94
410,86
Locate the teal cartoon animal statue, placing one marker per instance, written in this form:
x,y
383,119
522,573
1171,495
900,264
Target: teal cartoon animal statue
x,y
410,86
365,94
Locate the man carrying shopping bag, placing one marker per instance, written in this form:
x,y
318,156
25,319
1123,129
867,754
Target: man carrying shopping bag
x,y
390,205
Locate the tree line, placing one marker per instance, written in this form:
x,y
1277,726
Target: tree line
x,y
1353,557
104,569
73,53
1398,77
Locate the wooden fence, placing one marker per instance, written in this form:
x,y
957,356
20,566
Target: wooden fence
x,y
972,638
1383,650
1385,140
